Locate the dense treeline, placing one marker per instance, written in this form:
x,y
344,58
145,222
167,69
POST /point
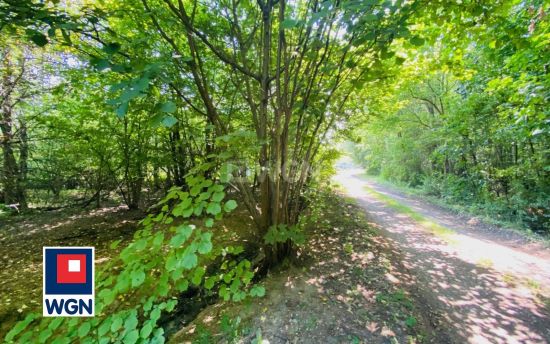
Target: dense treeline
x,y
468,120
64,145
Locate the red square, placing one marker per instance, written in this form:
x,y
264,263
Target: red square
x,y
73,274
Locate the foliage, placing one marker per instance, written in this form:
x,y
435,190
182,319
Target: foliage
x,y
168,256
471,125
282,233
143,103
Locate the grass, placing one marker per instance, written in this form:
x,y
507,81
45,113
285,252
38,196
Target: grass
x,y
461,209
533,285
510,279
485,263
446,233
434,228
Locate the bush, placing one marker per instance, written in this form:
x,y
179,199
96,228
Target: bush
x,y
163,261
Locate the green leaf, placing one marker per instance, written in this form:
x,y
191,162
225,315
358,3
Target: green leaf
x,y
117,323
410,321
213,208
185,230
169,121
417,41
209,282
204,195
122,109
289,23
132,321
205,245
138,277
170,305
182,285
83,329
107,295
226,173
224,293
209,222
230,205
111,48
104,327
44,335
39,39
155,314
227,277
141,243
206,183
197,276
235,285
177,240
54,324
159,239
168,107
64,341
218,196
257,291
100,64
177,273
132,337
198,209
189,260
369,17
195,190
142,84
239,296
119,68
20,326
118,86
180,207
156,120
217,188
146,330
187,212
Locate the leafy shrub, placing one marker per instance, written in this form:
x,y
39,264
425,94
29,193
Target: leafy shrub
x,y
164,260
282,233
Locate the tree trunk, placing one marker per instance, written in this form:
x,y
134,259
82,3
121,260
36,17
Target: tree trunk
x,y
23,163
13,176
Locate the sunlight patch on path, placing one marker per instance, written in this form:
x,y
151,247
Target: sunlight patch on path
x,y
435,228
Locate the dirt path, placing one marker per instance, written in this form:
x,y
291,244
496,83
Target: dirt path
x,y
486,284
346,285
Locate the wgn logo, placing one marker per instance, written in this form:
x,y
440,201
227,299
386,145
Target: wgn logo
x,y
68,282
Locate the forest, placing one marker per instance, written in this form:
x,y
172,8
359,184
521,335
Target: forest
x,y
260,171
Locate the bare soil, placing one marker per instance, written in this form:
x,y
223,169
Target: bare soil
x,y
347,286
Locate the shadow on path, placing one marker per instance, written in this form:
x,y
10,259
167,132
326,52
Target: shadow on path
x,y
475,303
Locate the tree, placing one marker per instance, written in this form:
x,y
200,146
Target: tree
x,y
466,118
281,71
15,88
